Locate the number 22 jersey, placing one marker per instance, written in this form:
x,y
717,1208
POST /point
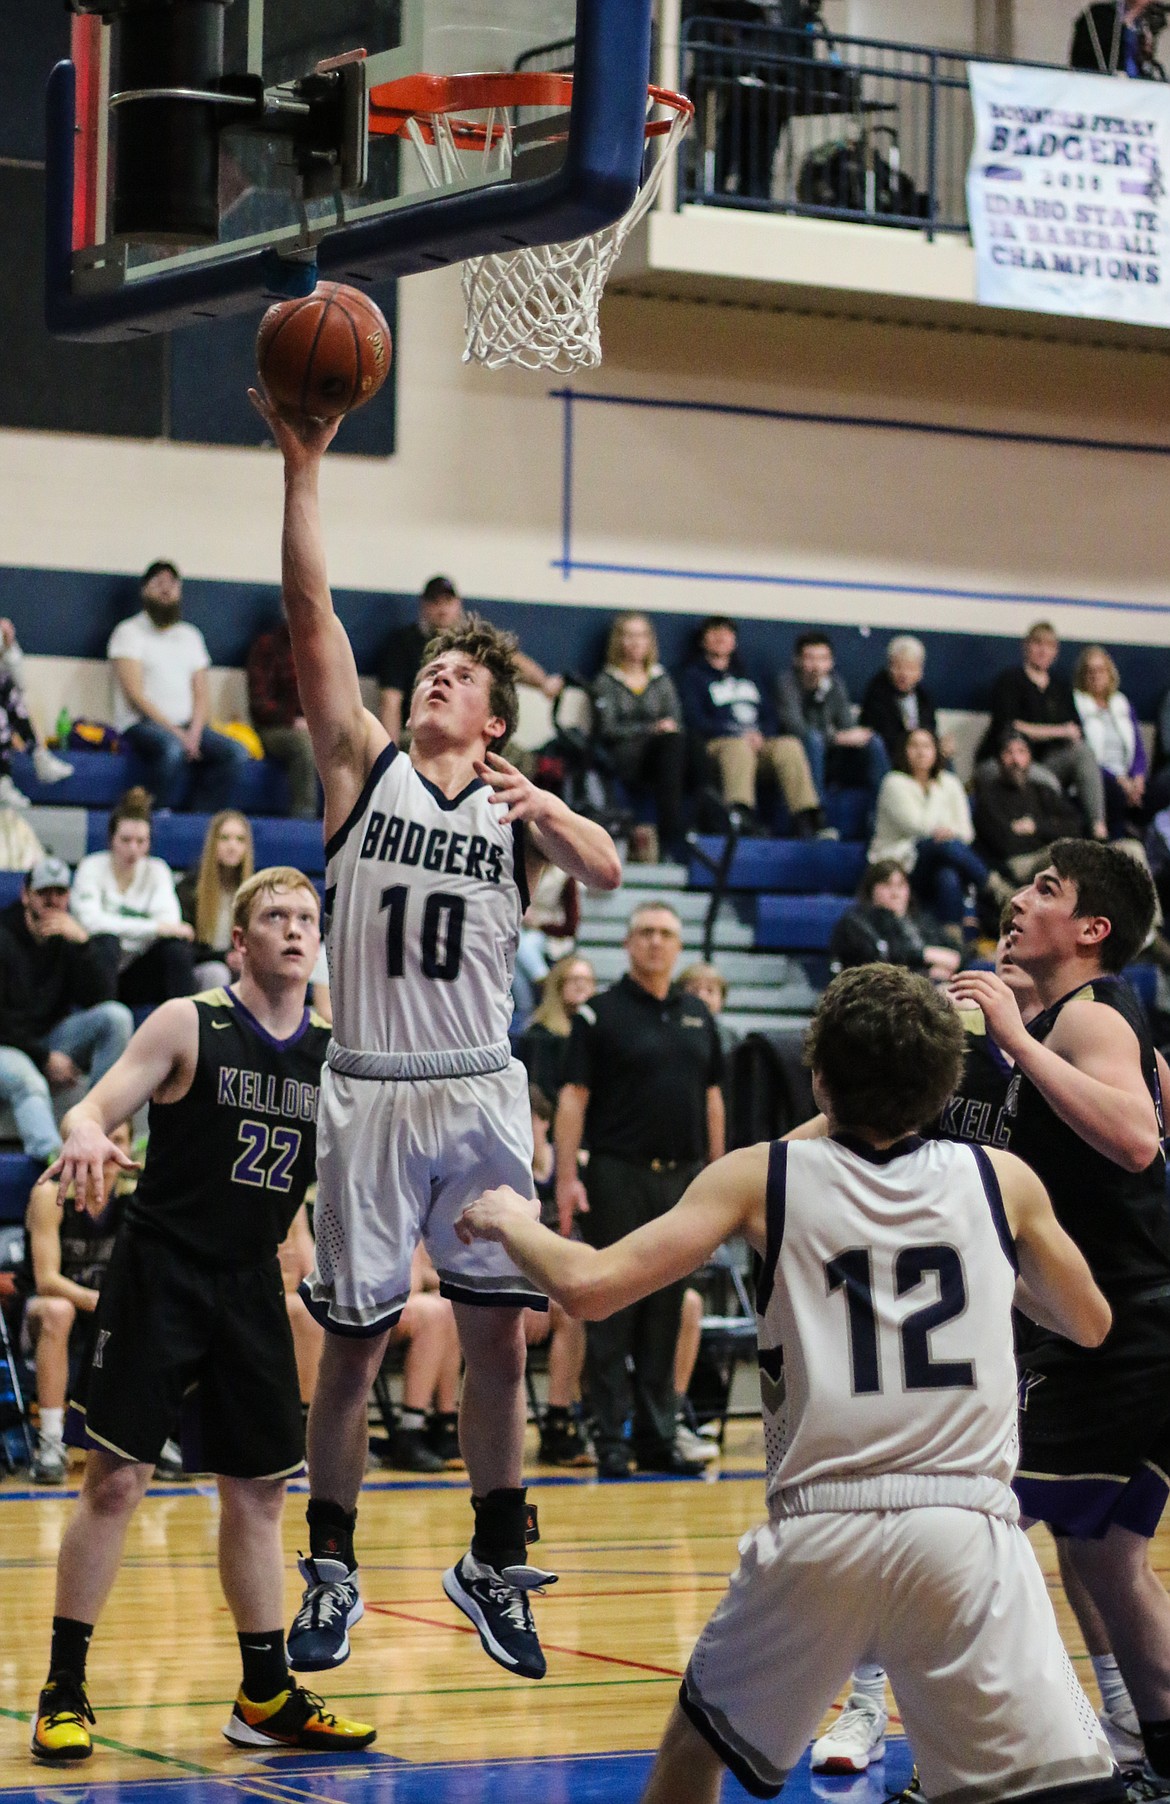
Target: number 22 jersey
x,y
423,900
884,1320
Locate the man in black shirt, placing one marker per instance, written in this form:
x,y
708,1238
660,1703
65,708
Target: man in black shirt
x,y
1016,817
192,1315
641,1083
1035,700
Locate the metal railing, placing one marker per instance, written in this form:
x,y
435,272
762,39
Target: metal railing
x,y
831,127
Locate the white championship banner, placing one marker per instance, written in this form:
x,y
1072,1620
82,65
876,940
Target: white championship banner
x,y
1067,193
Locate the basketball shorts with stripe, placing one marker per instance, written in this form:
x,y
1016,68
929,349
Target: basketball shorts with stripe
x,y
950,1601
181,1348
397,1162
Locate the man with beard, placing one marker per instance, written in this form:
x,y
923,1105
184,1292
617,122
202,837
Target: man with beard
x,y
161,699
1017,816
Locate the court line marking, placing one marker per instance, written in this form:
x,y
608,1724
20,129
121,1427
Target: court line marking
x,y
465,1628
121,1747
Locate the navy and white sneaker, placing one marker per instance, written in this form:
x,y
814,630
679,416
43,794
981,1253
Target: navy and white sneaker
x,y
497,1603
332,1603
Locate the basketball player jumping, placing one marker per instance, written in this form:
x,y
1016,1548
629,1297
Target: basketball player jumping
x,y
429,862
890,1265
192,1314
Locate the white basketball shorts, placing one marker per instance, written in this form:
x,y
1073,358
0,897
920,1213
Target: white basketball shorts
x,y
397,1161
950,1601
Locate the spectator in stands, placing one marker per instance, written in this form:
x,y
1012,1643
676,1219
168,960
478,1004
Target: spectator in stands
x,y
161,698
1113,736
883,927
923,822
126,901
1016,818
439,606
16,723
1035,700
813,702
563,1441
67,1251
298,1256
274,702
207,896
425,1437
58,1023
545,1041
637,722
1112,37
735,723
896,699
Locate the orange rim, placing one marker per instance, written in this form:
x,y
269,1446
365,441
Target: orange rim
x,y
422,98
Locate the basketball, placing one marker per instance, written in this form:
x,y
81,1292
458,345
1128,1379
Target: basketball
x,y
325,354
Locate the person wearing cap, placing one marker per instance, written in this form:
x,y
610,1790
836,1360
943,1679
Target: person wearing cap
x,y
162,699
58,1020
439,606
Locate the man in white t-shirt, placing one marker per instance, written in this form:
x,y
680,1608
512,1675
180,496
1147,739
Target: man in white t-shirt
x,y
161,699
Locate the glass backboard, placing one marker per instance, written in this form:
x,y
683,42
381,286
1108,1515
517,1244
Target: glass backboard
x,y
571,165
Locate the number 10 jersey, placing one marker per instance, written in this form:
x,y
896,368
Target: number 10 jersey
x,y
423,901
884,1316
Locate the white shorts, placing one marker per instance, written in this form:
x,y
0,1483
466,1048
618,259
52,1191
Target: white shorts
x,y
396,1163
950,1601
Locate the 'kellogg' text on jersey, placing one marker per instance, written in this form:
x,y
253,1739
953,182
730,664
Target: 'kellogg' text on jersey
x,y
424,896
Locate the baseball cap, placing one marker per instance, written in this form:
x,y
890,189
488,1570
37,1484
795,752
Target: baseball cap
x,y
49,873
438,586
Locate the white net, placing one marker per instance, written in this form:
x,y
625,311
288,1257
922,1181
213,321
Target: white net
x,y
539,307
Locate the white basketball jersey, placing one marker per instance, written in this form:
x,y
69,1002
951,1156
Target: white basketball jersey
x,y
884,1318
423,901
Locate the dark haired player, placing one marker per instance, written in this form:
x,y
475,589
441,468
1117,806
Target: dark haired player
x,y
430,858
890,1265
1086,1114
192,1316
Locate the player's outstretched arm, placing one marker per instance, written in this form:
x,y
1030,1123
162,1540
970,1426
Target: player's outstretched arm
x,y
1056,1287
590,1283
580,848
346,737
159,1061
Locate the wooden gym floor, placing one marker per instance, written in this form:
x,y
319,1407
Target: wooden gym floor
x,y
642,1565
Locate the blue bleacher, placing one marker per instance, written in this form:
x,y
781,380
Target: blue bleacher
x,y
797,923
796,866
99,778
17,1177
178,838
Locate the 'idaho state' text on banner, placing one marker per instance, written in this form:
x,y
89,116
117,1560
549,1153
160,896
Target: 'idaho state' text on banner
x,y
1067,193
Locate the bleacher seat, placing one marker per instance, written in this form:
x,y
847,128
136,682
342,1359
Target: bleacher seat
x,y
848,810
17,1177
178,838
11,884
795,866
99,778
798,923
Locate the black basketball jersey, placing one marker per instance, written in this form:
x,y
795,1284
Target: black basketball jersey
x,y
976,1113
227,1166
86,1243
1119,1219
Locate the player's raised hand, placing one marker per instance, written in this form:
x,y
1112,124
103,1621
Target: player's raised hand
x,y
511,789
1000,1009
82,1162
488,1216
299,438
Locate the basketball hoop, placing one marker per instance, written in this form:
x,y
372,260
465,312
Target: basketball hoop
x,y
537,306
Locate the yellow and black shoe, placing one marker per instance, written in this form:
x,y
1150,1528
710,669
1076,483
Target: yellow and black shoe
x,y
59,1733
294,1719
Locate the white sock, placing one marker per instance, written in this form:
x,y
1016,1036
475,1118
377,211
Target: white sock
x,y
413,1420
870,1682
1114,1696
52,1425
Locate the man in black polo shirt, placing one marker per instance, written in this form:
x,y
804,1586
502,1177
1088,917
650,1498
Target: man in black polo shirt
x,y
439,607
1037,702
641,1088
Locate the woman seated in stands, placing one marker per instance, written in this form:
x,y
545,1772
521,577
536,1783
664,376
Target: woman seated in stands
x,y
545,1041
637,723
66,1254
883,927
924,823
207,896
126,901
1113,736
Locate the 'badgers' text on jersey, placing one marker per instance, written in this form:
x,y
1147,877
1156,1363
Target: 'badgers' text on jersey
x,y
424,895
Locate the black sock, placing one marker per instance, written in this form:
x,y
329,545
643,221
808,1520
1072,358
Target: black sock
x,y
70,1646
501,1528
331,1531
556,1415
265,1664
1157,1739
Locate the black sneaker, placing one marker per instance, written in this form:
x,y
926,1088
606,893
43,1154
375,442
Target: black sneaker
x,y
497,1604
332,1603
443,1436
407,1451
670,1460
614,1462
563,1442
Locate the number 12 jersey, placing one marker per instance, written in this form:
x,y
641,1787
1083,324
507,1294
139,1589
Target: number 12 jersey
x,y
423,901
